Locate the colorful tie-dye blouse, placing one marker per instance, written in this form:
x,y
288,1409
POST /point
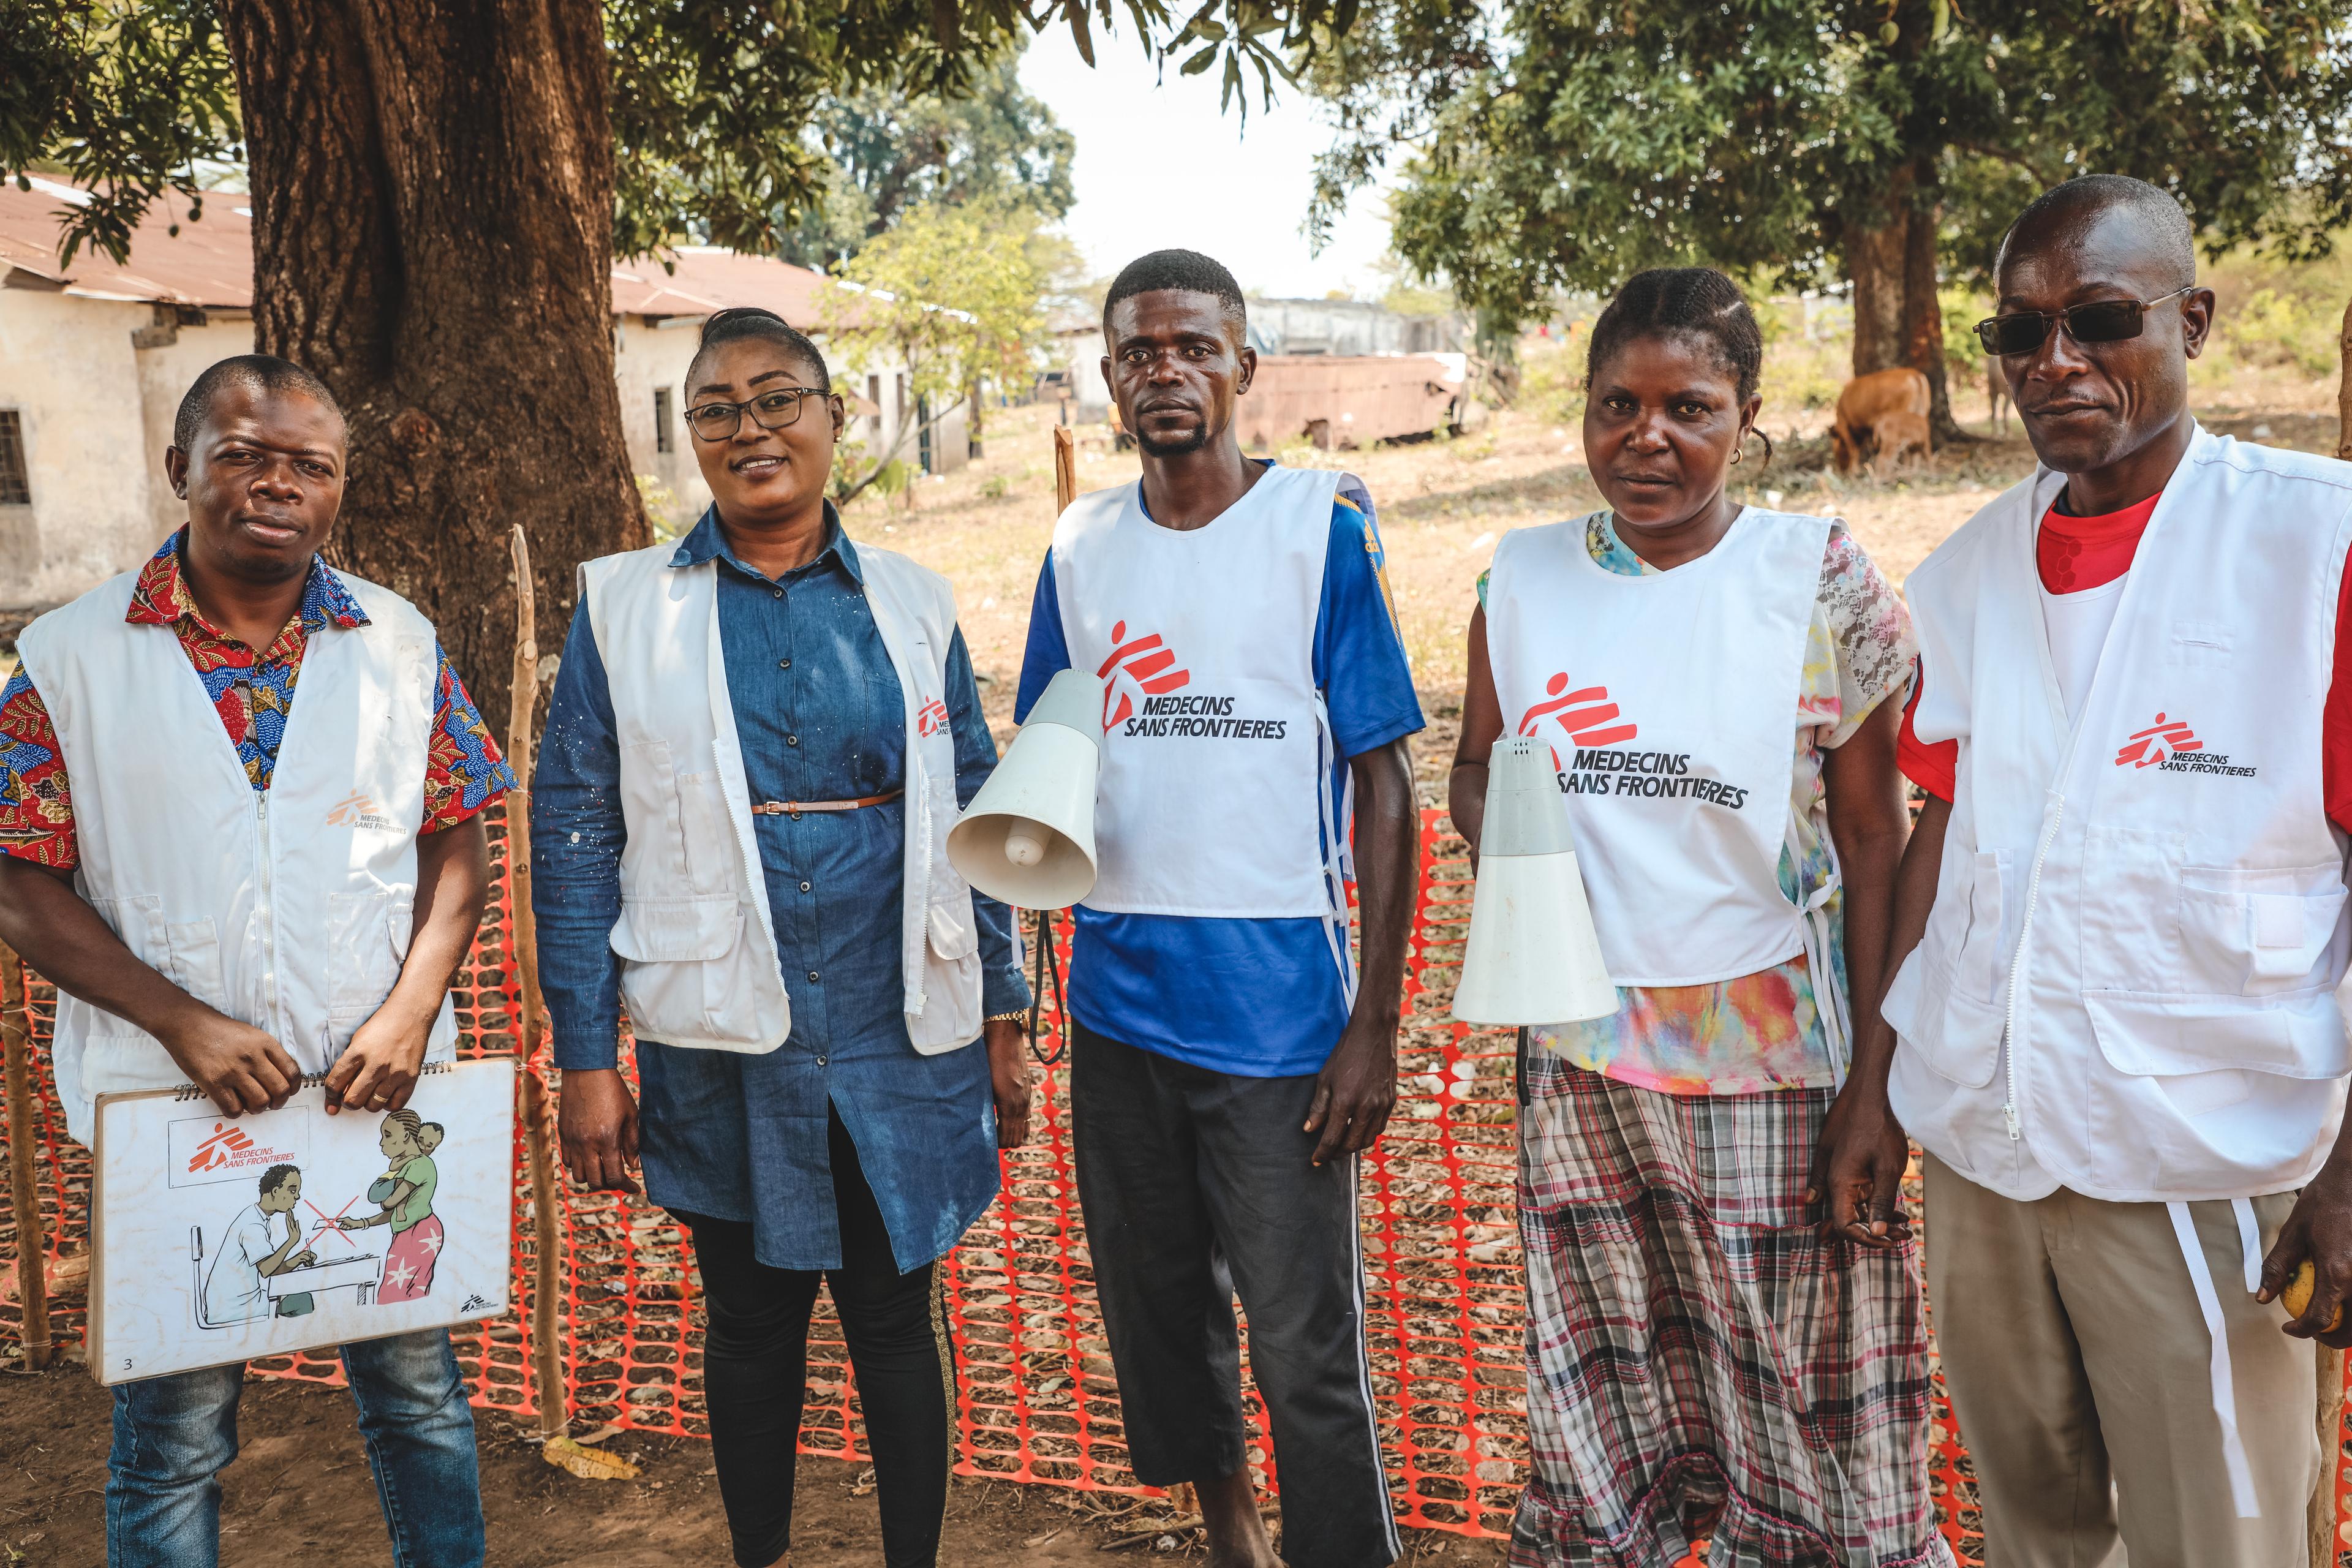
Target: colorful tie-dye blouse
x,y
1761,1031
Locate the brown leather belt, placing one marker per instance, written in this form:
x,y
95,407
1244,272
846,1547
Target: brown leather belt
x,y
792,808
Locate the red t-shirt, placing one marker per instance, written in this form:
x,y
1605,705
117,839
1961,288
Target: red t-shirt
x,y
2079,553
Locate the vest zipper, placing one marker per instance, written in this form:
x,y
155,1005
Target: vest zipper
x,y
2016,963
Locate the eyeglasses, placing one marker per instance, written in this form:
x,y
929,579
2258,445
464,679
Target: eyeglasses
x,y
771,410
2098,322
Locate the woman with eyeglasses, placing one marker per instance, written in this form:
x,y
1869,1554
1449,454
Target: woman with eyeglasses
x,y
1720,686
758,742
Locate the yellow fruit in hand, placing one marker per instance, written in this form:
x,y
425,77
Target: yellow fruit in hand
x,y
2296,1297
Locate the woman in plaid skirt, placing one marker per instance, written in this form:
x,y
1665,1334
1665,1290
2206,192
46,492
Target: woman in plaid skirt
x,y
1721,687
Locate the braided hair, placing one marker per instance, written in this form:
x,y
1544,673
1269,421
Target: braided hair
x,y
1698,301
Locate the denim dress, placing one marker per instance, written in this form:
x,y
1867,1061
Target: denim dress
x,y
742,1137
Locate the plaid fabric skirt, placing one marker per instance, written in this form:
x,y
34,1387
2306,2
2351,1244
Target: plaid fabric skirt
x,y
1699,1364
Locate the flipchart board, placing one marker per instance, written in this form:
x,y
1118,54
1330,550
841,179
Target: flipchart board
x,y
215,1240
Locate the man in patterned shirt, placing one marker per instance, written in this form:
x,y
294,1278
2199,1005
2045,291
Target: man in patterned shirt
x,y
227,898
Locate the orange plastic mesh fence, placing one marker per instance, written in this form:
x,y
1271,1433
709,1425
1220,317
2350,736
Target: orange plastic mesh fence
x,y
1039,1402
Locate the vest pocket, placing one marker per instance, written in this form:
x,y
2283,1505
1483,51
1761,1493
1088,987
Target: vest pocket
x,y
196,962
2257,933
2173,1037
711,852
1978,969
689,969
1945,1000
139,921
951,968
362,962
654,815
123,1063
674,930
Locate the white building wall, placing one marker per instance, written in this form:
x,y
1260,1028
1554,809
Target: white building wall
x,y
97,415
650,357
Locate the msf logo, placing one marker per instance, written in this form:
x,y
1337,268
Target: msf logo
x,y
931,716
2157,743
225,1144
1586,714
356,810
1142,665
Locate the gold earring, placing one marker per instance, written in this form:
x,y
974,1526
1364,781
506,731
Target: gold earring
x,y
1738,453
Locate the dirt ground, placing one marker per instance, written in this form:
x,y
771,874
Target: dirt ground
x,y
299,1497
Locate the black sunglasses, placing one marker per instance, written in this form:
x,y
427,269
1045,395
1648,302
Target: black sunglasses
x,y
2099,321
771,410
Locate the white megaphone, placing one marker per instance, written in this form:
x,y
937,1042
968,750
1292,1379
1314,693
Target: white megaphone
x,y
1028,837
1533,957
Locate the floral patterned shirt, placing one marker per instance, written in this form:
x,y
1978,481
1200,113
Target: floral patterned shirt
x,y
1759,1032
252,692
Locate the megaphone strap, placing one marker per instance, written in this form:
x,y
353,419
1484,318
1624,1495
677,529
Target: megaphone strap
x,y
794,807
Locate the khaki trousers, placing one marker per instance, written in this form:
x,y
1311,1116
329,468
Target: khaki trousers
x,y
2080,1370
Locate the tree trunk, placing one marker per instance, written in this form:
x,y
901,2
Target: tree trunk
x,y
1875,259
2344,388
433,206
1898,318
1923,308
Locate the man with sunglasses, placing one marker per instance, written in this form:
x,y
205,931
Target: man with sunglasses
x,y
2121,925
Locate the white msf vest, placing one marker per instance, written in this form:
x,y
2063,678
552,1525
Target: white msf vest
x,y
286,908
2149,904
1215,741
696,938
1669,701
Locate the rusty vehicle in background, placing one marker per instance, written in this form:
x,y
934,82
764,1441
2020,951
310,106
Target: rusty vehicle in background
x,y
1341,400
1349,400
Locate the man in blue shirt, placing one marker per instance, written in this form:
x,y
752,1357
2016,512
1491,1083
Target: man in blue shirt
x,y
1227,1069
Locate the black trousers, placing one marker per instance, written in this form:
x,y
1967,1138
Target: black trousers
x,y
1197,1185
755,1374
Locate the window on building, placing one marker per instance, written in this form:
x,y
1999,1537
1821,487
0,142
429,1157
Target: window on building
x,y
15,483
661,419
873,396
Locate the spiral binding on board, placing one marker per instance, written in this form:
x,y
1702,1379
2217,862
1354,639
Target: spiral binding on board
x,y
187,1091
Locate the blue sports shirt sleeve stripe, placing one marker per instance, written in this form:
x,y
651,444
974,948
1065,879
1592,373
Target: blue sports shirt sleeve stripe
x,y
1048,653
1359,657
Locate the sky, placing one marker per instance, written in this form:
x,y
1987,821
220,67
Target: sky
x,y
1238,196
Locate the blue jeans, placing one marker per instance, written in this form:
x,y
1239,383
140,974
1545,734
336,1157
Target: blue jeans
x,y
174,1435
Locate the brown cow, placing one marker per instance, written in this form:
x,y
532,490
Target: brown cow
x,y
1896,437
1996,395
1867,400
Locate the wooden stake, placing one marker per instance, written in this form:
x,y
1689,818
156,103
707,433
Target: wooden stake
x,y
1065,470
547,1355
32,1237
2321,1518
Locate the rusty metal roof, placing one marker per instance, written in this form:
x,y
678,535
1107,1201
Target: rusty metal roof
x,y
209,263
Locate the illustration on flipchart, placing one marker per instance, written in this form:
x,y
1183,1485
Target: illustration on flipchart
x,y
359,1223
263,1262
